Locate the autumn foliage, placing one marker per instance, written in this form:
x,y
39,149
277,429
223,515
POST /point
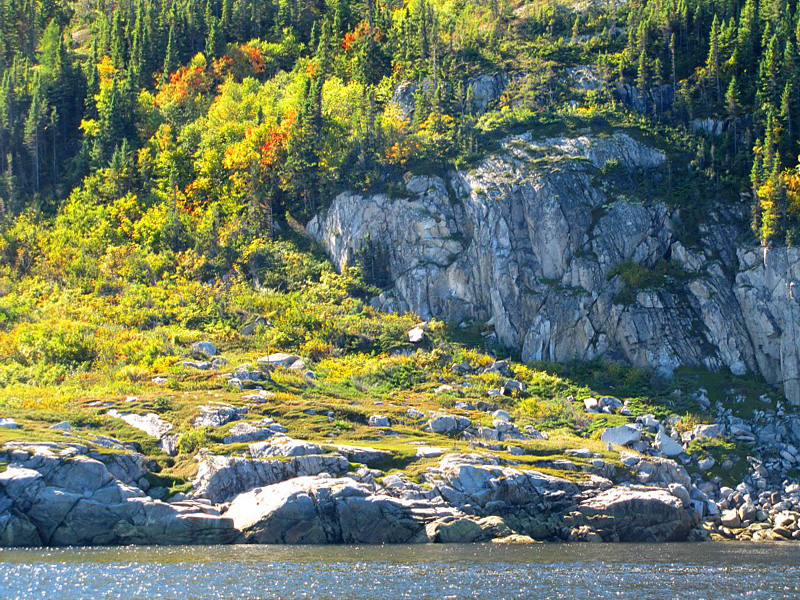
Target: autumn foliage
x,y
184,83
361,33
274,145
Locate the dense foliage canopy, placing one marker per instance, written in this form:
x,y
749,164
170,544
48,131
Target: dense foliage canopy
x,y
177,126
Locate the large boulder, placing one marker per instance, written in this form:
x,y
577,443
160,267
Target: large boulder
x,y
151,423
448,424
363,454
154,426
248,432
378,421
204,349
277,359
713,430
667,445
623,435
465,530
654,471
319,510
636,514
285,446
217,415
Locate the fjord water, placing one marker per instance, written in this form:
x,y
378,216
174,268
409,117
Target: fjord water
x,y
548,571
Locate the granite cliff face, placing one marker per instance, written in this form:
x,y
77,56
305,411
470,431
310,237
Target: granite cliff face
x,y
534,241
767,289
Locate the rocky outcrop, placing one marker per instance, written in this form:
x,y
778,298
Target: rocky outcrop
x,y
657,100
633,514
69,499
222,478
218,415
768,290
533,240
472,481
152,425
320,510
469,501
57,494
482,90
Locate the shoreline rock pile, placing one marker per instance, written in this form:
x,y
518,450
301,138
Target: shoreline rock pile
x,y
66,494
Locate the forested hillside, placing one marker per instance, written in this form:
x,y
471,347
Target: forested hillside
x,y
154,145
149,150
166,120
500,186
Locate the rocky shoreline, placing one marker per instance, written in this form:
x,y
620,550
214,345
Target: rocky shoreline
x,y
276,489
87,489
63,494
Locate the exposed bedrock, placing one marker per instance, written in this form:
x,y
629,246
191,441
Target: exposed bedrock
x,y
533,241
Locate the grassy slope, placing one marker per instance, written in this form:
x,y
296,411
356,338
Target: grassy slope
x,y
73,355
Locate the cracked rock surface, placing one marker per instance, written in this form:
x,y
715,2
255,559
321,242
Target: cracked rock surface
x,y
531,241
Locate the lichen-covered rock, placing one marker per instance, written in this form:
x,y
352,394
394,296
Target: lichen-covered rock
x,y
218,415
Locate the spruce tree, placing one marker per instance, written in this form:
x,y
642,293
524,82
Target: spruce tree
x,y
170,60
734,107
769,77
712,62
213,41
33,129
117,41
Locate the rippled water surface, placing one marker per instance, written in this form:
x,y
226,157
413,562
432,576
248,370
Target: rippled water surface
x,y
575,571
